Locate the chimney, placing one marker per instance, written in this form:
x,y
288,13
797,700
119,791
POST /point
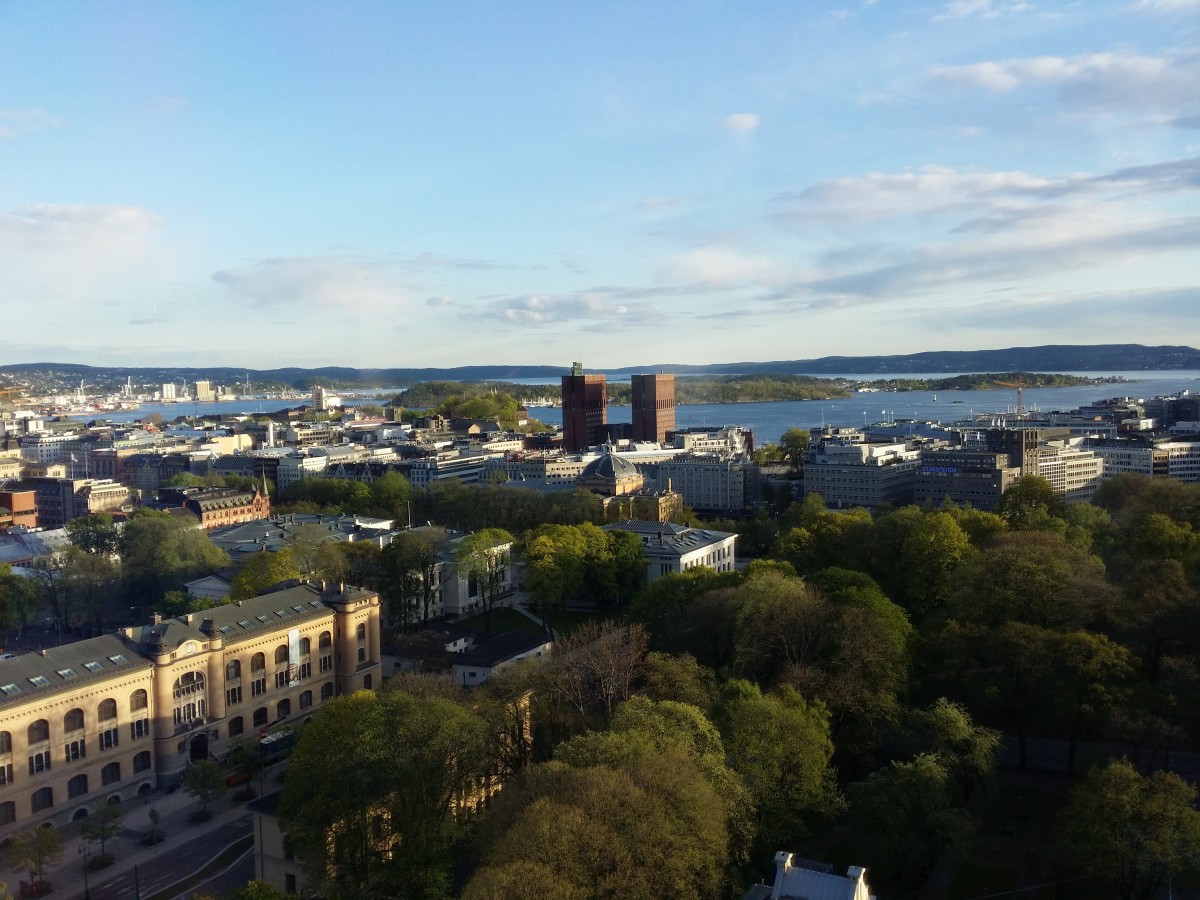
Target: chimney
x,y
856,873
157,618
783,864
43,652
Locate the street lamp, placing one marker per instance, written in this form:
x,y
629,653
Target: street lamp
x,y
86,852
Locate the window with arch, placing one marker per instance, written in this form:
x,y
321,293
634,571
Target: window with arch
x,y
107,710
236,726
73,721
361,632
111,773
283,709
258,662
362,654
77,787
43,798
190,702
39,731
8,812
142,761
305,699
233,669
325,641
139,700
327,691
260,716
281,655
305,646
5,742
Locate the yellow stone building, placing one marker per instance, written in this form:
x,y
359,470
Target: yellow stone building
x,y
115,716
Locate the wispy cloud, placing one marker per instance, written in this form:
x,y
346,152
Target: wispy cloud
x,y
65,251
1168,7
714,267
358,286
20,122
1091,81
740,123
981,9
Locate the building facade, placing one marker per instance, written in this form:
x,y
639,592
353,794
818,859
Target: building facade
x,y
118,715
653,407
584,409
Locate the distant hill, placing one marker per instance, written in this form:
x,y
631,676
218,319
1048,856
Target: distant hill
x,y
1049,358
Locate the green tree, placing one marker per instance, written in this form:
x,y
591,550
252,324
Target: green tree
x,y
904,815
204,780
664,676
794,445
258,890
249,757
102,826
1139,830
1029,502
34,850
95,534
19,597
390,495
160,553
1091,672
305,543
376,771
484,557
931,553
967,751
262,571
781,747
1033,577
650,828
410,574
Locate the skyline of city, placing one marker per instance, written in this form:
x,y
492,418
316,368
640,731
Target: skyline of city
x,y
382,185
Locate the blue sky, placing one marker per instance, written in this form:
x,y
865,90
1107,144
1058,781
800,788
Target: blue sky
x,y
438,184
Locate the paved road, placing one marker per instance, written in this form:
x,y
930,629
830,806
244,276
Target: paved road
x,y
178,862
231,879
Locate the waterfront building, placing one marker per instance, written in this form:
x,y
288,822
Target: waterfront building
x,y
584,409
653,398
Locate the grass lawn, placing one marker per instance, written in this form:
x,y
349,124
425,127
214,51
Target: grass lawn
x,y
502,619
565,622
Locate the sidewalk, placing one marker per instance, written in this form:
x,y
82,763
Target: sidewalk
x,y
187,847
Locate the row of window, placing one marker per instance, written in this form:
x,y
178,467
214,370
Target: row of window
x,y
258,662
283,709
43,798
73,721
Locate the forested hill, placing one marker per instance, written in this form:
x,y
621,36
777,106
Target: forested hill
x,y
1049,358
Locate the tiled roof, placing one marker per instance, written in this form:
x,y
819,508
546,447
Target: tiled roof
x,y
65,668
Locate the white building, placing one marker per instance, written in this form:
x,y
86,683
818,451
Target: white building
x,y
1073,471
869,475
671,549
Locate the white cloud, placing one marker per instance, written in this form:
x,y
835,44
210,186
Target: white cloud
x,y
981,9
714,267
329,283
1168,7
19,122
1096,80
545,309
70,251
741,123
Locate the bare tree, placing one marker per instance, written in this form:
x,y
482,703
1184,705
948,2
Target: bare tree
x,y
593,669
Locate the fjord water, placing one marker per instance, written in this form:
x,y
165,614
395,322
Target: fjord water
x,y
769,420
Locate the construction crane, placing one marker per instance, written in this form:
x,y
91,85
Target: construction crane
x,y
1020,386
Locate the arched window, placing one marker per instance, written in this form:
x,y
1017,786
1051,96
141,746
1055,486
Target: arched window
x,y
39,731
138,700
305,646
258,662
73,721
260,716
77,787
107,710
362,654
5,742
8,812
305,699
141,761
111,773
327,691
281,655
236,726
325,641
361,633
43,798
284,709
233,669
